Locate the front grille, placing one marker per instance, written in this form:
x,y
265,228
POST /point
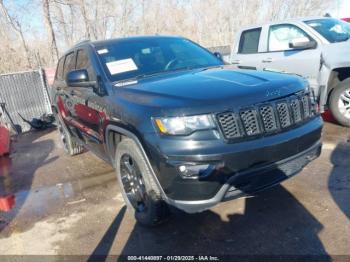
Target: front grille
x,y
268,117
229,125
265,118
296,110
305,100
250,122
284,114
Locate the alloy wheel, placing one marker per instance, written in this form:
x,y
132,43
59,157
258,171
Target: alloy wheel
x,y
344,103
133,183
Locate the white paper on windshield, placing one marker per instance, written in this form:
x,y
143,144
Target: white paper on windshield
x,y
102,51
121,66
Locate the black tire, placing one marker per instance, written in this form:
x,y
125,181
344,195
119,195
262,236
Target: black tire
x,y
341,89
151,209
69,146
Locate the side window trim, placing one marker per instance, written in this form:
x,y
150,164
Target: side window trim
x,y
286,24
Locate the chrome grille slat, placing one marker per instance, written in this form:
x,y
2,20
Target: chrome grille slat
x,y
284,114
265,118
296,110
268,118
250,122
229,124
306,106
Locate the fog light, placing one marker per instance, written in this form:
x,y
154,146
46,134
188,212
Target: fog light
x,y
195,171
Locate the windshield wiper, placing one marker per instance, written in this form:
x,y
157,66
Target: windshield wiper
x,y
194,67
145,75
138,77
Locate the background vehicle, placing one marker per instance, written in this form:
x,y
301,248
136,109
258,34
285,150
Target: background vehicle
x,y
346,19
180,127
316,48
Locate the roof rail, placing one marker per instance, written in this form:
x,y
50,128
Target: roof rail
x,y
82,42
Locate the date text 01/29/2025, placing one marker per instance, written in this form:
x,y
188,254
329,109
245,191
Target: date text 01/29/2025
x,y
173,258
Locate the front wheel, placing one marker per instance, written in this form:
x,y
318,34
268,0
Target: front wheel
x,y
139,190
340,103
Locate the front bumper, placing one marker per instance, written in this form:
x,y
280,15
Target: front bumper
x,y
234,169
253,180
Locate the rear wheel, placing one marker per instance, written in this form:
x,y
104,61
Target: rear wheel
x,y
139,190
69,146
340,103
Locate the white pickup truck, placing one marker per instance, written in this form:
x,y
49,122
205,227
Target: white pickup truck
x,y
317,48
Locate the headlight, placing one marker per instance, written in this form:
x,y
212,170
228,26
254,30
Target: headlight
x,y
184,125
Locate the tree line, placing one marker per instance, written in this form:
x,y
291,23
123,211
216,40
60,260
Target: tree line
x,y
35,33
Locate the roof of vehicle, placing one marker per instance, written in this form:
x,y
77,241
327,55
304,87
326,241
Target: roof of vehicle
x,y
113,40
291,20
124,39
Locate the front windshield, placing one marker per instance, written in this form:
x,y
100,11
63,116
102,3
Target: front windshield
x,y
333,30
138,57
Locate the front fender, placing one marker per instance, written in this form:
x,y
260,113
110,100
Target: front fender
x,y
135,138
322,91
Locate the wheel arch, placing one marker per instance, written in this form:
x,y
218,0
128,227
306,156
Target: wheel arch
x,y
337,75
114,134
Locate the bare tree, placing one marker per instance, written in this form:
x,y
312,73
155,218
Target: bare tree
x,y
62,24
49,29
209,22
83,10
16,26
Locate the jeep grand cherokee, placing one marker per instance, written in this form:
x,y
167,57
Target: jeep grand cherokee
x,y
181,128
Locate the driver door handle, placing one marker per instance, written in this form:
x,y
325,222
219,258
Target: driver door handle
x,y
267,60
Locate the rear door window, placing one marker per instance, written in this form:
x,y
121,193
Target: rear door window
x,y
249,42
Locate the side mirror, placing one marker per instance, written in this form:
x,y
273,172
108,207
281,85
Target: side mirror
x,y
79,78
302,43
219,55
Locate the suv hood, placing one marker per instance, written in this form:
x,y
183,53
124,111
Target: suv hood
x,y
337,54
221,87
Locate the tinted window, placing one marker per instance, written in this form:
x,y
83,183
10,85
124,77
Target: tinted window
x,y
69,63
249,43
59,71
332,29
281,35
82,60
129,58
